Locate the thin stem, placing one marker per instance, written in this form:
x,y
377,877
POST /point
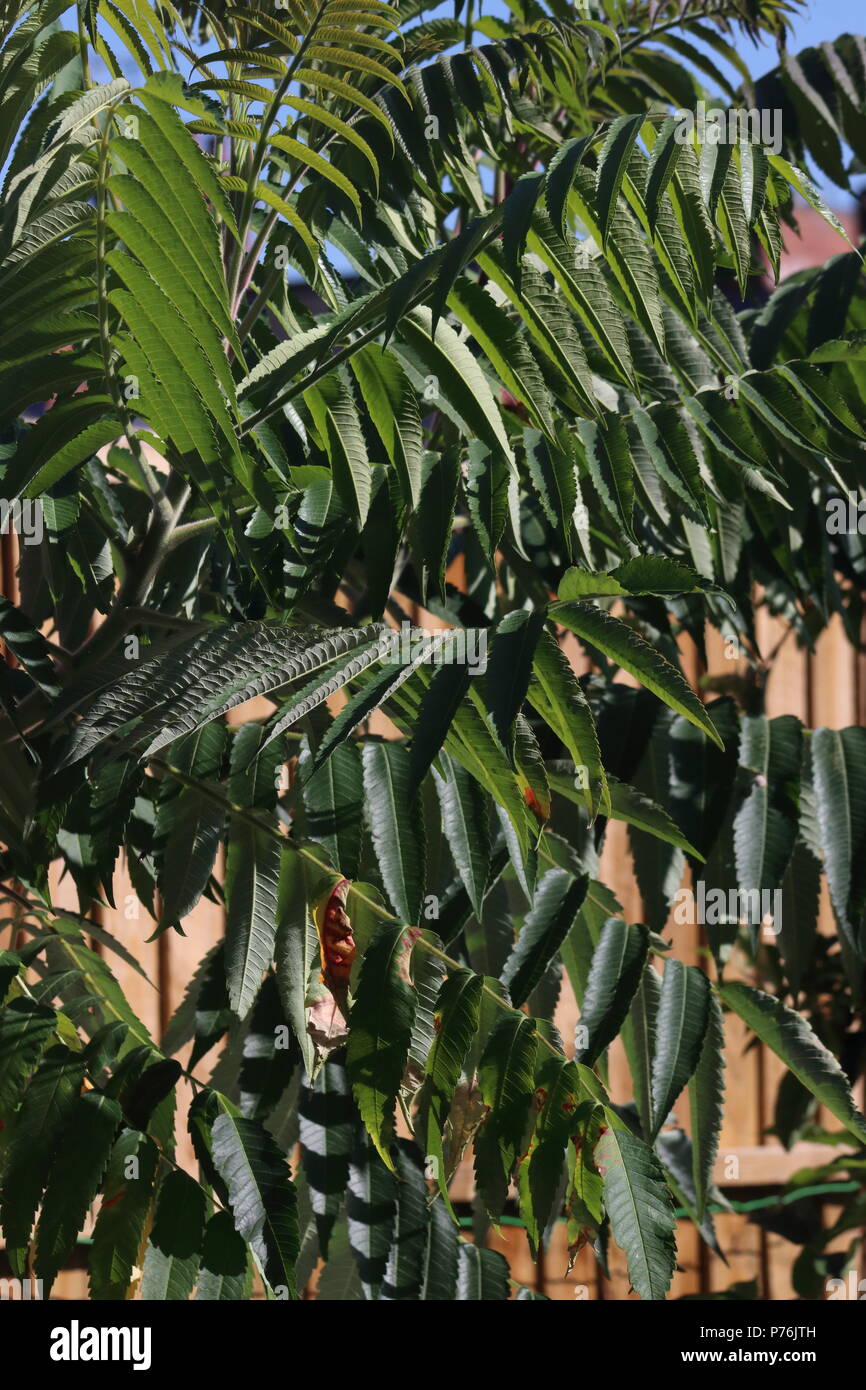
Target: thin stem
x,y
84,53
271,280
191,529
266,229
257,154
253,259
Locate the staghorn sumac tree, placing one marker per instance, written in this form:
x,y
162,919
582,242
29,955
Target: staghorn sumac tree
x,y
316,316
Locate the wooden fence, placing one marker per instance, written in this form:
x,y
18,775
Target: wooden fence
x,y
827,687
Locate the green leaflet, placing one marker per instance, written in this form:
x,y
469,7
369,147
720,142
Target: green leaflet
x,y
554,476
252,870
104,1047
638,1203
327,1124
204,1013
586,290
485,486
433,520
74,1181
482,1275
313,693
465,822
52,448
296,950
839,768
644,574
681,1025
396,827
120,1226
333,802
196,824
516,221
29,646
380,1028
623,645
791,1038
225,1274
10,966
551,326
577,949
674,1148
614,976
320,165
664,157
613,161
427,973
610,466
508,674
801,888
629,805
765,826
638,1035
261,1195
625,803
455,256
458,379
375,691
506,1077
284,362
333,409
557,696
111,804
25,1028
456,1018
702,773
404,1271
173,1253
370,1207
92,975
441,1258
382,536
269,1059
340,1280
439,704
733,219
706,1096
584,1201
693,219
659,872
557,900
507,348
393,408
36,1133
143,1083
540,1172
252,877
560,176
628,257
